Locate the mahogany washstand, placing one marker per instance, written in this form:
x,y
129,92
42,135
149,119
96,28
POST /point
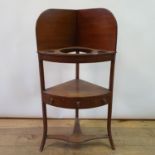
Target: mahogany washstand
x,y
76,36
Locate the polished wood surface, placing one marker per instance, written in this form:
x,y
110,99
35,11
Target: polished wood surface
x,y
22,137
87,94
57,32
97,28
93,28
76,36
77,89
71,55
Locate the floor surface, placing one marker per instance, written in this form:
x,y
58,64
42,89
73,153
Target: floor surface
x,y
23,137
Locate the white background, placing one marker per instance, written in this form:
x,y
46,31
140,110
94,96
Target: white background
x,y
134,91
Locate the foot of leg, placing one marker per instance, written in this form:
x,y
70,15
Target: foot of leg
x,y
44,127
109,126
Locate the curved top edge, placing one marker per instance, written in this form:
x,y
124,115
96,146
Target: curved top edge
x,y
93,9
76,12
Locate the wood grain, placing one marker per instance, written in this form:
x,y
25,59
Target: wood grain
x,y
94,28
60,35
22,137
87,94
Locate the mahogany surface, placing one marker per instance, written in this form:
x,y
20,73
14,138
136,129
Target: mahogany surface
x,y
76,36
93,28
56,28
87,56
87,94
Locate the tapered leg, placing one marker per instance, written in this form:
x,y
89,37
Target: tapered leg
x,y
44,127
109,126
